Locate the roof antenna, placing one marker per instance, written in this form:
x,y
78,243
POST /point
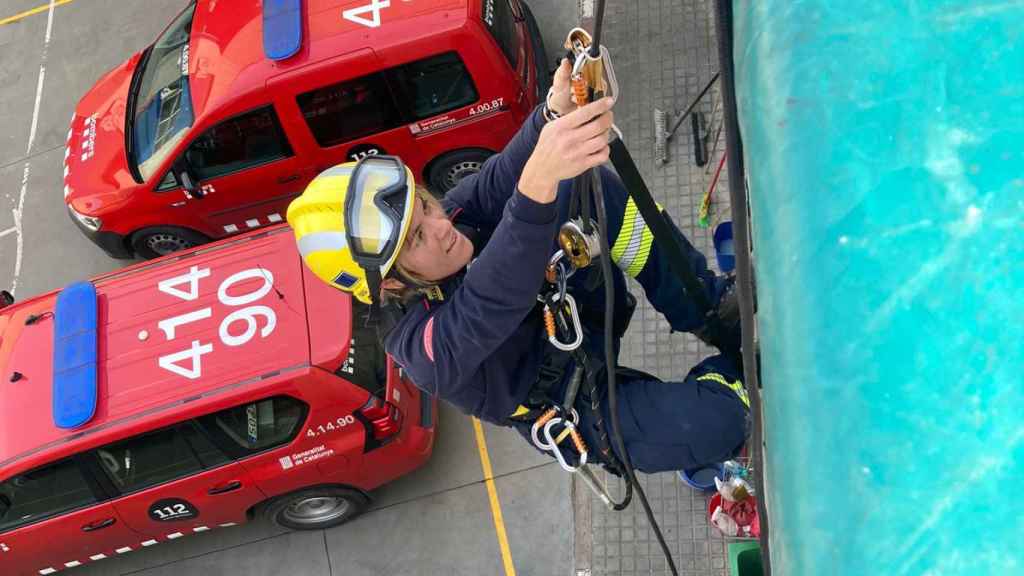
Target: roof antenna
x,y
15,376
270,281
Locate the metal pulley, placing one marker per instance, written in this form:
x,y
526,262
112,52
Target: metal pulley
x,y
579,247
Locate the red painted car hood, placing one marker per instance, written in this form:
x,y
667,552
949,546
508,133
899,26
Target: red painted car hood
x,y
96,174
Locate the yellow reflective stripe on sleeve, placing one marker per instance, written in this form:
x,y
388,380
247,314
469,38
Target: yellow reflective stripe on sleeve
x,y
633,245
737,386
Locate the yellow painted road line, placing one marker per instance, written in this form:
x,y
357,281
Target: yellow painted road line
x,y
492,491
32,12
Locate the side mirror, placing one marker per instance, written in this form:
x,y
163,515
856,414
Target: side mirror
x,y
6,298
188,180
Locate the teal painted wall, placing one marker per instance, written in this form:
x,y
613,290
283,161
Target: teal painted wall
x,y
884,148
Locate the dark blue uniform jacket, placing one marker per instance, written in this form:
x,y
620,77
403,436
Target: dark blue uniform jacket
x,y
480,349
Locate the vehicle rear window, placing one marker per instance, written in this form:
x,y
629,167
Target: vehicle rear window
x,y
366,363
43,493
157,457
238,143
501,22
349,110
435,85
261,425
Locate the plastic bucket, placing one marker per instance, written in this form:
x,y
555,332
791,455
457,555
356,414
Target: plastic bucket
x,y
702,478
725,253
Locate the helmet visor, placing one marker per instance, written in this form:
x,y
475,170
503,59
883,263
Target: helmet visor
x,y
376,203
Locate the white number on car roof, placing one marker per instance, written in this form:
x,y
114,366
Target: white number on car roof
x,y
175,362
374,8
193,276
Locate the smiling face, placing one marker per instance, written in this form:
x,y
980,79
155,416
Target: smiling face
x,y
434,249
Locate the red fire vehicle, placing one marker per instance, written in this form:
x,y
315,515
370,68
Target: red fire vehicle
x,y
188,394
214,128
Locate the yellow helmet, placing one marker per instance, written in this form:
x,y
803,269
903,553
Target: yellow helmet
x,y
351,220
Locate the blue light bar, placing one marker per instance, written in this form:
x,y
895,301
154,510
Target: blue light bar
x,y
282,28
74,355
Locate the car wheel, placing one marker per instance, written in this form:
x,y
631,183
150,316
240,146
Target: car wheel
x,y
315,508
160,241
448,170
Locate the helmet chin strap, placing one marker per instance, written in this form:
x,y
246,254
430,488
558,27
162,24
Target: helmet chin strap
x,y
385,314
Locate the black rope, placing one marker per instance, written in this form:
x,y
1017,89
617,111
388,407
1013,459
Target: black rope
x,y
744,267
609,352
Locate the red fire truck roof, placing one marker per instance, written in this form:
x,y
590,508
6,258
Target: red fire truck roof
x,y
227,55
167,331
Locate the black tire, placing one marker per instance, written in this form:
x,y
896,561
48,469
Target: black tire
x,y
315,508
159,241
449,169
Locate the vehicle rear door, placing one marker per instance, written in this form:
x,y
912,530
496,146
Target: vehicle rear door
x,y
175,481
264,435
247,171
51,518
347,108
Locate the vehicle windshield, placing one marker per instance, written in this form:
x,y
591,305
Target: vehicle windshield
x,y
162,111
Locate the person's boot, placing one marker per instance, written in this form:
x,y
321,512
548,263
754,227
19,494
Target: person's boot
x,y
727,338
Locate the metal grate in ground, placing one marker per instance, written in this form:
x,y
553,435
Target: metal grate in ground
x,y
664,53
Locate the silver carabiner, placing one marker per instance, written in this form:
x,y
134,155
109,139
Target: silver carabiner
x,y
574,314
574,418
558,453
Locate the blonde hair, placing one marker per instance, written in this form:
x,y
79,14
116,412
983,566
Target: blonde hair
x,y
404,274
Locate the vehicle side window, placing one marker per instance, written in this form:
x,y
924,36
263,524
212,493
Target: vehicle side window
x,y
260,425
241,142
157,457
349,110
43,493
501,22
435,85
168,182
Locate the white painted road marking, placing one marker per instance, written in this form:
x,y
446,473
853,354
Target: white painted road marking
x,y
19,211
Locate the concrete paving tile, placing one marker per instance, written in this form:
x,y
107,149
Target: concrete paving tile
x,y
55,253
450,534
510,452
291,553
20,48
537,508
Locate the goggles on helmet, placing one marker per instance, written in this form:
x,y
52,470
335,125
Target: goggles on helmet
x,y
376,206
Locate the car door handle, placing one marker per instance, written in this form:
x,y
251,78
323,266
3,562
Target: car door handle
x,y
99,525
230,486
287,179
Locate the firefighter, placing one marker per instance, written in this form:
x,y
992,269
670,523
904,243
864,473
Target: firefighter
x,y
454,285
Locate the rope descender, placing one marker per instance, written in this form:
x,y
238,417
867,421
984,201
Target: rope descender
x,y
593,76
